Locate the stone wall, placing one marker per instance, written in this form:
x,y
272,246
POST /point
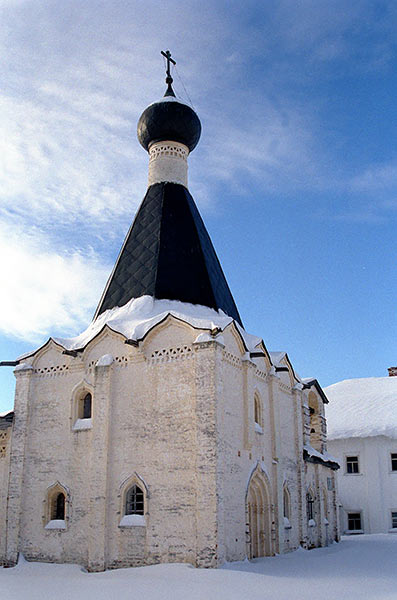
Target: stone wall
x,y
175,416
372,491
5,446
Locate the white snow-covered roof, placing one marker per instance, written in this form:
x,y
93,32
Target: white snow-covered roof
x,y
323,455
170,99
136,318
362,408
277,356
4,414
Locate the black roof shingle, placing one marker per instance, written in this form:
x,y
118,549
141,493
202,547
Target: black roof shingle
x,y
168,254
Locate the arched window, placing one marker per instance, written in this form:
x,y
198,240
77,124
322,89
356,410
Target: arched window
x,y
81,408
134,501
315,422
85,406
286,503
325,498
258,412
58,507
309,506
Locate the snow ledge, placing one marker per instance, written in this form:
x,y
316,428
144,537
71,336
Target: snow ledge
x,y
105,361
56,524
133,521
82,424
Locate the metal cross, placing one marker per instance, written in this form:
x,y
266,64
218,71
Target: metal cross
x,y
167,55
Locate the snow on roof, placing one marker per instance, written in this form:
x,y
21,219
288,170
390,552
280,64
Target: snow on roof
x,y
362,408
136,318
277,356
4,414
170,99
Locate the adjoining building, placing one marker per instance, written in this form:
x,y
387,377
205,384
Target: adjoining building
x,y
362,434
164,432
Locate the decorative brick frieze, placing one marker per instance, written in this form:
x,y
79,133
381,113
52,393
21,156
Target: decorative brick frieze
x,y
4,437
171,354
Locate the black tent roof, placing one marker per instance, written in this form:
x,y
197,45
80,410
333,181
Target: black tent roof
x,y
168,254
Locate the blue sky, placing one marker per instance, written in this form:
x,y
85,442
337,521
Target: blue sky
x,y
295,174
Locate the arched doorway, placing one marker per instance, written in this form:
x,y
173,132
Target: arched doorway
x,y
259,517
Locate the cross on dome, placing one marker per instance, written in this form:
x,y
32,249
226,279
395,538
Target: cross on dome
x,y
168,79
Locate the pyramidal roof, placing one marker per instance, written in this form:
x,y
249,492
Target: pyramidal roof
x,y
168,254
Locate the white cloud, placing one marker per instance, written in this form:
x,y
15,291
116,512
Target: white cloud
x,y
377,177
44,292
55,161
73,94
270,146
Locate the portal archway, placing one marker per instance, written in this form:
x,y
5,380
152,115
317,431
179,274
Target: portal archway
x,y
259,516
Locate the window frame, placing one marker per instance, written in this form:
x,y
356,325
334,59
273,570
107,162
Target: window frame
x,y
348,518
86,406
310,506
286,504
393,467
258,412
393,519
135,519
133,501
351,462
51,517
58,509
79,410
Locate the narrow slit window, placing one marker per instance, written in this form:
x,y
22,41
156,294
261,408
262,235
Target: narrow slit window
x,y
87,405
309,506
257,419
286,504
58,507
257,411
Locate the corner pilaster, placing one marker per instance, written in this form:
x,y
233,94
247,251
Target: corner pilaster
x,y
209,515
249,368
23,374
298,413
277,476
99,467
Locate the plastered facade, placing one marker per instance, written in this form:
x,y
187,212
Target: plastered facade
x,y
372,492
176,416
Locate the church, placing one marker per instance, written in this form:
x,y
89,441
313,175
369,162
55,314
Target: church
x,y
164,432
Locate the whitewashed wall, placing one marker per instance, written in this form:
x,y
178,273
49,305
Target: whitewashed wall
x,y
178,415
372,491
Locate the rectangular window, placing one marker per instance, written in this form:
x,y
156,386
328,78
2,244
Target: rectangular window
x,y
352,464
394,519
393,462
354,521
330,483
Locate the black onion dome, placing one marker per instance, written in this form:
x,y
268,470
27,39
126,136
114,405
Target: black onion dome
x,y
171,120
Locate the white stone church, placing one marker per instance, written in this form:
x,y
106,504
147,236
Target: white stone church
x,y
164,432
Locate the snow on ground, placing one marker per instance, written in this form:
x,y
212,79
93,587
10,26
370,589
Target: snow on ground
x,y
362,407
360,567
